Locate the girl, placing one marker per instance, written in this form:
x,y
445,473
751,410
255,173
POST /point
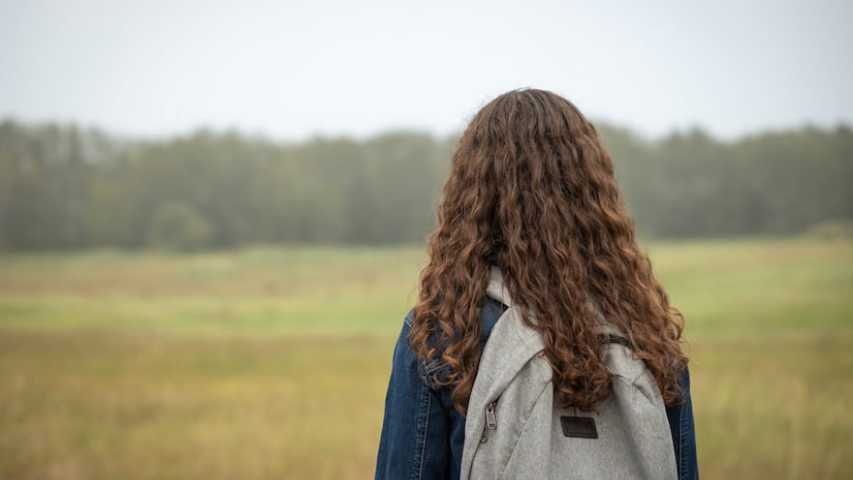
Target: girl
x,y
531,197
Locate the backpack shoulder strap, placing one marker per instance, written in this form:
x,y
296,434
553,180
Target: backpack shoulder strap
x,y
614,338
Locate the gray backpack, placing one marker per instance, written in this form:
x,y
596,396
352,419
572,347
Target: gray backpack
x,y
514,430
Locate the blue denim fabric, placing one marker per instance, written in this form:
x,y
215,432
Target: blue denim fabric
x,y
422,434
683,433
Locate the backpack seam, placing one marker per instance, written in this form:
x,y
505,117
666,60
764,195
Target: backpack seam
x,y
647,395
547,384
525,337
631,380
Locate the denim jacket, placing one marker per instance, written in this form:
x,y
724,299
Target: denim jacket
x,y
422,434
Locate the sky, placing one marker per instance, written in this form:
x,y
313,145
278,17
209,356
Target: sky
x,y
292,69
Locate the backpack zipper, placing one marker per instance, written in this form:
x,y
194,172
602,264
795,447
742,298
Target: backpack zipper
x,y
491,420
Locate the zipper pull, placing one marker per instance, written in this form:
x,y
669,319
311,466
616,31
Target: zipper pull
x,y
491,421
491,417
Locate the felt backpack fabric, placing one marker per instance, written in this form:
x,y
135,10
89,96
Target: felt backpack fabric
x,y
515,430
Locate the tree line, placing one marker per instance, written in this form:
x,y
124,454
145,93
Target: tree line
x,y
65,187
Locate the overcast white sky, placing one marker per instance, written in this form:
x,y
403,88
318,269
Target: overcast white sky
x,y
291,69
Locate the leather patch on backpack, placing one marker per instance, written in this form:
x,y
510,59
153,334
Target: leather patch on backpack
x,y
579,427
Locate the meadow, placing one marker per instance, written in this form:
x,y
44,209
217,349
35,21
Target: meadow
x,y
272,362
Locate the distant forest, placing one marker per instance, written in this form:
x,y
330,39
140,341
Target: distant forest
x,y
63,187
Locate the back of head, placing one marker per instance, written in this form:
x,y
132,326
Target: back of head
x,y
532,190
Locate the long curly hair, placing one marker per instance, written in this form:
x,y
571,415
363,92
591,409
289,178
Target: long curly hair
x,y
532,190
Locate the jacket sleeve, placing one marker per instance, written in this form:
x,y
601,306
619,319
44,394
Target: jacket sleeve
x,y
683,431
414,442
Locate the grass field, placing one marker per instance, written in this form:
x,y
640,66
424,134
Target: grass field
x,y
273,362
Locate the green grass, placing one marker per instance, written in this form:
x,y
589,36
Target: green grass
x,y
307,290
273,362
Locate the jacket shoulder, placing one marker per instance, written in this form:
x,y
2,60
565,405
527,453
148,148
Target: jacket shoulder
x,y
434,371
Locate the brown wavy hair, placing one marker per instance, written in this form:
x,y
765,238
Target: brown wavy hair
x,y
532,189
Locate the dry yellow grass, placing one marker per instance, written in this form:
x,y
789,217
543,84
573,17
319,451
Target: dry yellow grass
x,y
151,366
105,405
